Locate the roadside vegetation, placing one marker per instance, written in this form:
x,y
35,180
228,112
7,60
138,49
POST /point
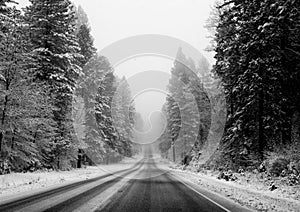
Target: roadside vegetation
x,y
257,64
55,91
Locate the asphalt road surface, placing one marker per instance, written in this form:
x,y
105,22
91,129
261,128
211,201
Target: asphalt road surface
x,y
147,189
155,191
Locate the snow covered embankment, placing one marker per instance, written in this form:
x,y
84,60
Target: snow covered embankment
x,y
246,190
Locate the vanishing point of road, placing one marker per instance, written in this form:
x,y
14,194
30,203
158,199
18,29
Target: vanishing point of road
x,y
143,187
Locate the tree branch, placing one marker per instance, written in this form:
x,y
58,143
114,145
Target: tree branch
x,y
297,53
225,4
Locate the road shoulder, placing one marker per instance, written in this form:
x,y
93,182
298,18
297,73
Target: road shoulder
x,y
244,196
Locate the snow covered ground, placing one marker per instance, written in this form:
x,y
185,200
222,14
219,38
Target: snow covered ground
x,y
16,185
248,191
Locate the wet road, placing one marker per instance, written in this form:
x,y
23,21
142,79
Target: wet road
x,y
157,191
143,187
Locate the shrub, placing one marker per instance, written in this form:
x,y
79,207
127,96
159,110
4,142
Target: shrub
x,y
293,179
277,166
228,176
4,167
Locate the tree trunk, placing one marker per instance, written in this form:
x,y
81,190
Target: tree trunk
x,y
261,139
3,120
79,160
174,158
58,163
1,138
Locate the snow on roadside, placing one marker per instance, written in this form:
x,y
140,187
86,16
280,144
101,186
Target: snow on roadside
x,y
246,193
21,183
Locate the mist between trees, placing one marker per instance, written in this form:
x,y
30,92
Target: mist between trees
x,y
57,92
257,65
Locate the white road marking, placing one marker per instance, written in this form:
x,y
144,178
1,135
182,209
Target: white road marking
x,y
190,187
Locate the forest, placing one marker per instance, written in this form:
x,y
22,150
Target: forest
x,y
257,62
56,91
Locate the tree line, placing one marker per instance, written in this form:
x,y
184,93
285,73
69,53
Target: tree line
x,y
257,63
187,110
49,66
258,60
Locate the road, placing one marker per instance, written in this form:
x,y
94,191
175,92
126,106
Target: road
x,y
143,187
155,191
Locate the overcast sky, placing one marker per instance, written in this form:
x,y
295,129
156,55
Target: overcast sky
x,y
113,20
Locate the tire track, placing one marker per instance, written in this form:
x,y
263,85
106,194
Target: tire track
x,y
78,200
157,191
20,203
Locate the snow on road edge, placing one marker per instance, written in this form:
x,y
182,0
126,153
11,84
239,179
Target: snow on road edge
x,y
16,185
241,194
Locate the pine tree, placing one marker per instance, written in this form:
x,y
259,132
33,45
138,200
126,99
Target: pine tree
x,y
52,27
25,112
83,33
81,18
92,143
253,45
88,51
122,111
103,105
188,109
86,43
165,140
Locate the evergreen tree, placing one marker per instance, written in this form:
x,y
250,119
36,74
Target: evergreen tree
x,y
188,108
83,33
86,43
256,45
122,111
81,18
88,51
165,140
92,143
52,27
103,105
25,112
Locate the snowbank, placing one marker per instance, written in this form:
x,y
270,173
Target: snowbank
x,y
247,190
19,184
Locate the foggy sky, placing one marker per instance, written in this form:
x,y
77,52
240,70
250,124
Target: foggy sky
x,y
113,20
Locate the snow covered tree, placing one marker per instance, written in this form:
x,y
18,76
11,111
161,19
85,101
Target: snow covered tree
x,y
56,54
26,119
122,112
88,51
86,43
92,142
83,33
103,105
256,45
165,141
188,108
81,17
113,110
